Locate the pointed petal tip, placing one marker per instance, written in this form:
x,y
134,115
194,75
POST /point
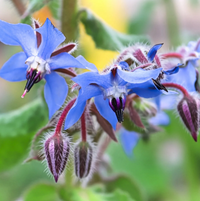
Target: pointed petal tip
x,y
25,91
56,178
194,135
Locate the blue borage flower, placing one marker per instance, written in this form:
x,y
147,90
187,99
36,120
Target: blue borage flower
x,y
111,88
187,75
37,61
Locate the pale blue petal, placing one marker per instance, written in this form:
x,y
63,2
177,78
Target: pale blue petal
x,y
51,39
64,60
152,52
19,34
161,119
87,64
14,69
55,92
139,76
79,106
186,77
87,78
145,90
105,110
129,140
168,102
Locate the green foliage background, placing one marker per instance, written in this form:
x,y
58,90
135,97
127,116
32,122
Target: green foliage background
x,y
150,175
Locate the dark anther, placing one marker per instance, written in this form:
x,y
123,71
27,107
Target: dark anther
x,y
117,107
33,76
119,114
159,85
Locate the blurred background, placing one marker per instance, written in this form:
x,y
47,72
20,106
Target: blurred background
x,y
166,167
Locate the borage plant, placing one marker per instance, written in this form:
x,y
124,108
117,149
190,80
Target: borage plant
x,y
125,99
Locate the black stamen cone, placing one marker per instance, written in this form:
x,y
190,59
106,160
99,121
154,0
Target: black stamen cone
x,y
159,85
31,80
119,114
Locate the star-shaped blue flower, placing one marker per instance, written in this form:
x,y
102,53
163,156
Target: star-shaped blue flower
x,y
36,63
110,89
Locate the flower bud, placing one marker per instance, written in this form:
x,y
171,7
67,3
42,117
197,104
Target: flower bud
x,y
188,111
83,154
57,152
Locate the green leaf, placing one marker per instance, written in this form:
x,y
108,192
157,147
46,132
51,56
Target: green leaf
x,y
117,195
17,129
89,194
140,23
126,184
41,192
143,167
26,20
27,174
35,5
104,36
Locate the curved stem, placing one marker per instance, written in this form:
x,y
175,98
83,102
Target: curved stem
x,y
62,117
172,54
83,128
177,86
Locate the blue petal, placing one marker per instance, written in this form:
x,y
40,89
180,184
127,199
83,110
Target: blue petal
x,y
64,60
19,34
173,70
105,110
55,92
161,119
152,52
87,64
139,75
145,90
79,106
124,65
87,78
129,140
51,38
14,69
185,77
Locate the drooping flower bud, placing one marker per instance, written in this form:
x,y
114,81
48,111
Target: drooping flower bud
x,y
188,111
56,152
83,156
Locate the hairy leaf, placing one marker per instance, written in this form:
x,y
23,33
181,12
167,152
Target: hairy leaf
x,y
104,36
17,129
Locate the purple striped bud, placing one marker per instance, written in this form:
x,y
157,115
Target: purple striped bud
x,y
189,113
83,154
56,152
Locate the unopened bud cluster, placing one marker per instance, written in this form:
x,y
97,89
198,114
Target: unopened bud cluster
x,y
57,149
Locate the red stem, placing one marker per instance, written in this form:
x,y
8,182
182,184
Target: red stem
x,y
83,128
177,86
62,117
172,54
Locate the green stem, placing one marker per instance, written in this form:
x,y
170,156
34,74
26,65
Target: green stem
x,y
69,20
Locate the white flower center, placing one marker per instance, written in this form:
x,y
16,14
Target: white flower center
x,y
115,91
37,63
